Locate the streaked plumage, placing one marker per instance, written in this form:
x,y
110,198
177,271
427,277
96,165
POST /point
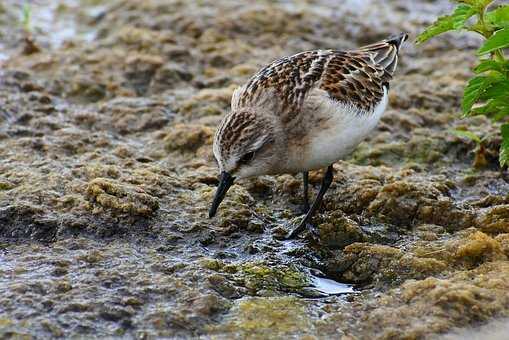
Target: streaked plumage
x,y
305,111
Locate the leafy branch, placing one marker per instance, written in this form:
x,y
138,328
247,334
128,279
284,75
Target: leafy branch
x,y
487,93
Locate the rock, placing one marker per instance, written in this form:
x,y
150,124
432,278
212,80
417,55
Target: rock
x,y
494,220
263,317
140,69
121,198
170,76
188,138
479,248
338,231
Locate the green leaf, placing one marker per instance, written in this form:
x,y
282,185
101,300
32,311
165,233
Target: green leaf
x,y
496,109
497,89
503,155
501,113
497,41
466,134
475,3
492,65
498,18
455,21
474,90
461,15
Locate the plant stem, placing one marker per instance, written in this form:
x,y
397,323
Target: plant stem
x,y
499,55
496,55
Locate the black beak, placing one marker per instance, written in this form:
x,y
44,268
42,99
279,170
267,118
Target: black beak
x,y
225,182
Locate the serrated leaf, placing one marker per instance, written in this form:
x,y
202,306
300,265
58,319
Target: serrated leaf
x,y
501,113
470,2
466,134
473,91
445,23
496,109
503,155
497,89
492,65
499,17
441,25
475,3
497,41
461,15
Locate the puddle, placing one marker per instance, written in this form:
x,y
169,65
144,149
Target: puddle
x,y
330,287
3,56
51,24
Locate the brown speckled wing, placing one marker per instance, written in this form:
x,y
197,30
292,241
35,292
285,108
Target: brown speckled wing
x,y
354,77
290,77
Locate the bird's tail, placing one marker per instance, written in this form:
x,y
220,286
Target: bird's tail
x,y
385,52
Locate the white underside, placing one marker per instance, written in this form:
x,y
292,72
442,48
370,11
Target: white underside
x,y
344,128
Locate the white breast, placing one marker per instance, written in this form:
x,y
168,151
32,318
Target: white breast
x,y
336,129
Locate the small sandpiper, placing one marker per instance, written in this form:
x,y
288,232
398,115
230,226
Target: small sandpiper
x,y
302,113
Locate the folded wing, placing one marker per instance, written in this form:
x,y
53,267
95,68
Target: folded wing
x,y
355,77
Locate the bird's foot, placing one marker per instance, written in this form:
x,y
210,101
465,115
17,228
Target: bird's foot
x,y
304,208
304,225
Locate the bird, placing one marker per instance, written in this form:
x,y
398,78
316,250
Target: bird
x,y
304,112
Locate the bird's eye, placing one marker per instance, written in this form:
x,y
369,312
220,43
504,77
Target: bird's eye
x,y
248,157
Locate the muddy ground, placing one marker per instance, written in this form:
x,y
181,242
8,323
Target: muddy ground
x,y
107,112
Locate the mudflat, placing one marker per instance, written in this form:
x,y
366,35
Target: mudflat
x,y
107,112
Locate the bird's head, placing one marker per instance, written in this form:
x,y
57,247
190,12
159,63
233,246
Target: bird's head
x,y
245,145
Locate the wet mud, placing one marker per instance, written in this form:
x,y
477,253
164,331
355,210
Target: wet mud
x,y
107,173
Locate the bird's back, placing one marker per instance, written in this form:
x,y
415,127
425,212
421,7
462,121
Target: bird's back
x,y
355,77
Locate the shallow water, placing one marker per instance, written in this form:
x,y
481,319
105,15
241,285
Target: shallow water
x,y
330,287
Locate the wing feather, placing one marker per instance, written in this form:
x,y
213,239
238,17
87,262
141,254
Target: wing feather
x,y
355,77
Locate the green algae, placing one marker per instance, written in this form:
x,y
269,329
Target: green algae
x,y
478,248
188,138
260,277
5,184
338,231
260,318
208,102
121,198
495,219
420,149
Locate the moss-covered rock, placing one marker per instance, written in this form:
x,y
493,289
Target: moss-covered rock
x,y
479,247
119,198
6,184
259,318
188,138
495,220
262,279
338,231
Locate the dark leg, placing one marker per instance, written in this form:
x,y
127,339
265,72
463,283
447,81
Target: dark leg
x,y
326,182
305,178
